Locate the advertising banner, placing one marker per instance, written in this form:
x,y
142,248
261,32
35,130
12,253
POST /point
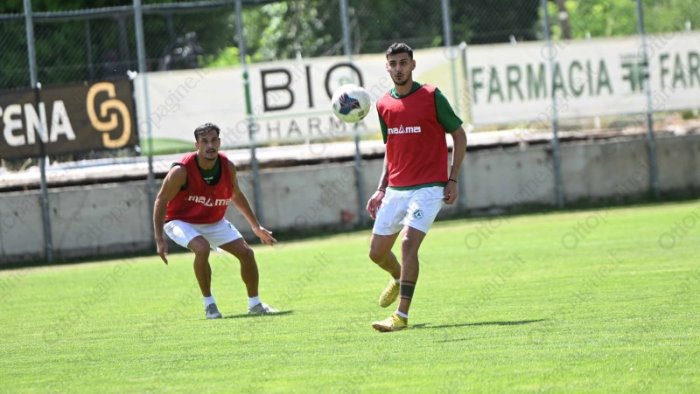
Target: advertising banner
x,y
290,100
597,77
498,84
67,119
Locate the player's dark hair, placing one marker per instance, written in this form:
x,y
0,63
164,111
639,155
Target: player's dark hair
x,y
205,128
399,47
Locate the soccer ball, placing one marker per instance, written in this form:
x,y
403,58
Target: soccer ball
x,y
351,103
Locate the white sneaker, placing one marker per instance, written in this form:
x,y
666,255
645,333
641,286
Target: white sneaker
x,y
212,312
261,309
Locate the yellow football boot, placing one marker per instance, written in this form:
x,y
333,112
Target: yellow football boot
x,y
391,323
389,294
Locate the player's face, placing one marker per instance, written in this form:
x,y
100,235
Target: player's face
x,y
208,145
400,66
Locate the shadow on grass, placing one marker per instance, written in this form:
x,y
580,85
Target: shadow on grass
x,y
486,323
244,316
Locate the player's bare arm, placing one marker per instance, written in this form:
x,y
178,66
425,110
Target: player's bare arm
x,y
240,201
376,200
459,147
173,182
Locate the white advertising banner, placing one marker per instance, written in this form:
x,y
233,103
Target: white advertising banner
x,y
290,99
506,83
510,83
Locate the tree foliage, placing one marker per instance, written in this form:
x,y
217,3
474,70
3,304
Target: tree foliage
x,y
75,48
292,28
313,27
606,18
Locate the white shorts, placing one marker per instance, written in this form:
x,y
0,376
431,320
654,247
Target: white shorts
x,y
219,233
415,208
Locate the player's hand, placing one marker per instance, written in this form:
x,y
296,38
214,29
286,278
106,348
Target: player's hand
x,y
374,203
162,248
265,235
450,193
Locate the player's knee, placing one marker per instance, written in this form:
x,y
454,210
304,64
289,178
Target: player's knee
x,y
376,256
250,253
200,247
409,247
201,252
246,254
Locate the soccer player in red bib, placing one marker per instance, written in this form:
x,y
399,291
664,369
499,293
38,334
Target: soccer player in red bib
x,y
190,209
416,180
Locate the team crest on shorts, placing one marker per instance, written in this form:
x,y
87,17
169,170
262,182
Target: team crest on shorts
x,y
417,214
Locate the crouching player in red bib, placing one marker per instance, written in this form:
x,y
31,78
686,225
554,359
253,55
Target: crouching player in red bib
x,y
190,209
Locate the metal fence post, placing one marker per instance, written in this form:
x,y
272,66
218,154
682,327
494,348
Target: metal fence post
x,y
141,54
452,55
257,202
45,211
556,154
462,202
359,175
651,143
452,52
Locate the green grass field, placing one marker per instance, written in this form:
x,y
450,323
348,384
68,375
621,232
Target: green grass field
x,y
586,301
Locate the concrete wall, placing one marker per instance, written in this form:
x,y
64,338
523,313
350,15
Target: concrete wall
x,y
102,219
302,197
595,171
114,218
679,163
620,169
85,222
21,232
500,178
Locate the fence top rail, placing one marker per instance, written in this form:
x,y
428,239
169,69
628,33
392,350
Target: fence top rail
x,y
126,10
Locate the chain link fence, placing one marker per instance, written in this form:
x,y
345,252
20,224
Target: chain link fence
x,y
490,59
85,45
76,45
99,44
13,40
89,45
80,45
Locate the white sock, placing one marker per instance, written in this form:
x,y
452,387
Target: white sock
x,y
209,300
399,313
252,301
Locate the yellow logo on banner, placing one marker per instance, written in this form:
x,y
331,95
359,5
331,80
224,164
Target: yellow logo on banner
x,y
107,121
